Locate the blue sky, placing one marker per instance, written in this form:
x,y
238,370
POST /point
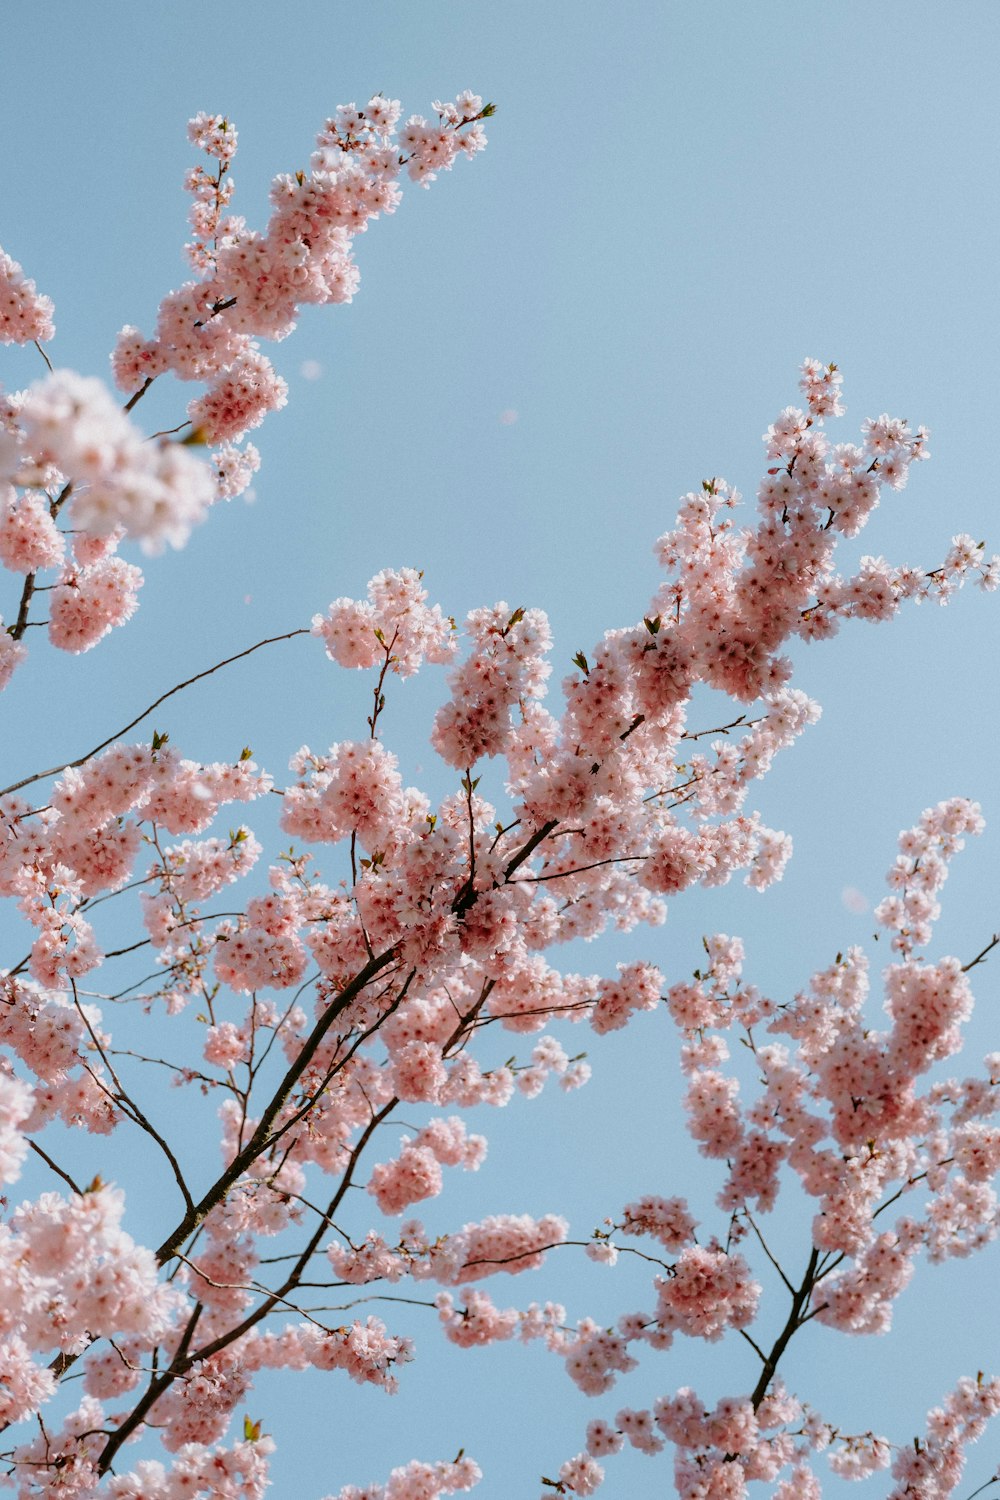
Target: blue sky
x,y
679,202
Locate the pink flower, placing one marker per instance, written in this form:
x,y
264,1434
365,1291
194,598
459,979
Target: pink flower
x,y
25,314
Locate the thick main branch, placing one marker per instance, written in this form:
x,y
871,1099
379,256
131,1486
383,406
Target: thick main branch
x,y
261,1138
800,1300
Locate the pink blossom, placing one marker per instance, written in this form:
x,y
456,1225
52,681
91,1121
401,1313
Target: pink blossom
x,y
29,538
581,1475
89,602
239,399
708,1293
394,625
25,313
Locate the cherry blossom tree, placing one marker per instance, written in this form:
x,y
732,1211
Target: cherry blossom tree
x,y
317,1010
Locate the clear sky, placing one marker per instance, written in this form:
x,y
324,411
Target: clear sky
x,y
680,201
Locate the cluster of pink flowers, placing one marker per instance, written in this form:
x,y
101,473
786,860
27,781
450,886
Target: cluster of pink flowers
x,y
154,491
416,1172
505,667
254,284
665,1219
433,148
921,869
30,540
354,788
12,654
503,1242
66,440
932,1468
719,1453
638,987
820,384
85,841
25,313
708,1292
239,1472
72,1275
16,1103
595,1356
88,602
418,1481
478,1322
394,625
239,400
885,1134
212,191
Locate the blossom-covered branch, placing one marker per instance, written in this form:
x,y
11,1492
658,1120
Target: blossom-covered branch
x,y
313,1005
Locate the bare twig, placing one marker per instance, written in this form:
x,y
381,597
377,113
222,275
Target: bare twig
x,y
980,958
56,1168
82,759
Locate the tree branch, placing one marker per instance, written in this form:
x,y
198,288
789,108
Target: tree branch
x,y
71,764
262,1138
799,1301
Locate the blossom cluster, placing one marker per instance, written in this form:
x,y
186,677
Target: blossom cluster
x,y
25,313
393,624
67,451
253,284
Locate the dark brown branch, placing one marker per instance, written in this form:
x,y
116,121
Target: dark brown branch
x,y
153,1392
527,850
137,397
262,1137
292,1279
21,623
980,958
753,1345
617,859
56,1168
184,1361
799,1303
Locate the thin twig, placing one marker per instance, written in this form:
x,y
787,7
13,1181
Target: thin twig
x,y
133,1109
617,859
763,1243
980,958
753,1344
56,1168
71,764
